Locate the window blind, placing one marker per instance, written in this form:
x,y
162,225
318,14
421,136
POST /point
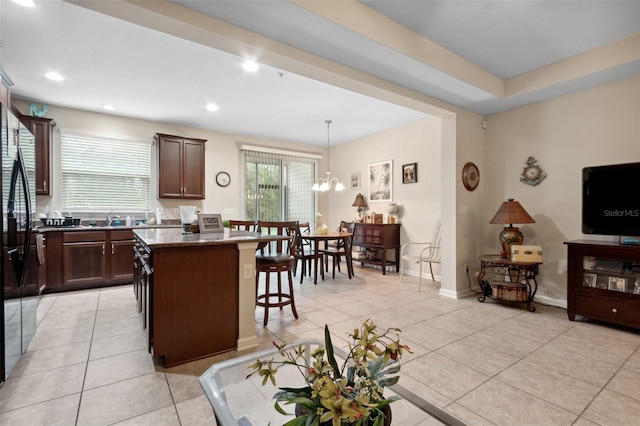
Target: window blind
x,y
278,186
105,172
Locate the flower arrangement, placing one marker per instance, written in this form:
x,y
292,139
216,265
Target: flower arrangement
x,y
350,394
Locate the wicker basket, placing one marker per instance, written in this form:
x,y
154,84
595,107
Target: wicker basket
x,y
515,292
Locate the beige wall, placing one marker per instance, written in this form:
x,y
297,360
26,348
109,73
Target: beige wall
x,y
469,205
565,134
221,150
417,142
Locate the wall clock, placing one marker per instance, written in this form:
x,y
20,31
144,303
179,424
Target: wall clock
x,y
470,176
223,179
532,174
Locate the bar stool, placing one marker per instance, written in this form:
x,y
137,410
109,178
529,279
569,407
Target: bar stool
x,y
242,225
276,257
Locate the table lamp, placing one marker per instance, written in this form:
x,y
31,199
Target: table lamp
x,y
510,212
360,202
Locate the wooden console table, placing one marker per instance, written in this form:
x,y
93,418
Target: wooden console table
x,y
378,238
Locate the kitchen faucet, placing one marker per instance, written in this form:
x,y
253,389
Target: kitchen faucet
x,y
111,218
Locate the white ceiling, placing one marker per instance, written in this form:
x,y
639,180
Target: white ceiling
x,y
157,75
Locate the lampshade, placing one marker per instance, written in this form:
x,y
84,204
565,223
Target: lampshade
x,y
359,202
510,212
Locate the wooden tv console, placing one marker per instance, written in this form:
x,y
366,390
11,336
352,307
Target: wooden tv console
x,y
603,282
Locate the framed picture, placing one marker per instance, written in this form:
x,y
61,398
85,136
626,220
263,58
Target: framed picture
x,y
210,223
589,280
602,281
355,180
410,173
617,284
381,182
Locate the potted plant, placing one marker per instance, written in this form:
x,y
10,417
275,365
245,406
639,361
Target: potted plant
x,y
338,395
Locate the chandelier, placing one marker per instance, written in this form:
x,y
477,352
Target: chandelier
x,y
325,184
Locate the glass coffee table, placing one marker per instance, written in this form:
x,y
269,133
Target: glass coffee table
x,y
238,401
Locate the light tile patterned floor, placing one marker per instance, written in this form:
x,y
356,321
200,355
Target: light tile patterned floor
x,y
487,364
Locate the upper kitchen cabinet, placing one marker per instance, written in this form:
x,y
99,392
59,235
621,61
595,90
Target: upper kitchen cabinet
x,y
180,167
42,130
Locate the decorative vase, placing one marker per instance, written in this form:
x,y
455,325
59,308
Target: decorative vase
x,y
302,410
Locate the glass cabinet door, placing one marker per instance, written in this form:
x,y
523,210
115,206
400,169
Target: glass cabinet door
x,y
611,274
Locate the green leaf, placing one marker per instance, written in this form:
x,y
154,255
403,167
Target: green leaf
x,y
300,421
330,357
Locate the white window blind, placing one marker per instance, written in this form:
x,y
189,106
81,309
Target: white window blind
x,y
278,186
105,172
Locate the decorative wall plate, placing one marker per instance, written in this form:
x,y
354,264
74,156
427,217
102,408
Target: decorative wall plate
x,y
470,176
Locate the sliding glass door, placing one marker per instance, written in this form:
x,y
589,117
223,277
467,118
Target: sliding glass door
x,y
278,187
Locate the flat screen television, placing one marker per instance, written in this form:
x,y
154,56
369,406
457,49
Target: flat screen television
x,y
611,199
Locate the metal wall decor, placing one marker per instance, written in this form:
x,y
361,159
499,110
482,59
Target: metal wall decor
x,y
532,174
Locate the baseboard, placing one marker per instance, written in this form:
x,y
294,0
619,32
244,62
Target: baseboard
x,y
560,303
246,343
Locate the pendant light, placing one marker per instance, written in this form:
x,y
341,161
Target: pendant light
x,y
324,184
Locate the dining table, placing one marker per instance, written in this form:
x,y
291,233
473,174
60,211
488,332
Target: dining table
x,y
316,237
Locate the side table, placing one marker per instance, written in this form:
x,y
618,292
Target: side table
x,y
521,276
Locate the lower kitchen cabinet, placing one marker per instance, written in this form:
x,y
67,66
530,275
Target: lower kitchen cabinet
x,y
84,260
88,259
121,246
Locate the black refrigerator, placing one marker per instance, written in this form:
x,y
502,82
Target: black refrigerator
x,y
20,295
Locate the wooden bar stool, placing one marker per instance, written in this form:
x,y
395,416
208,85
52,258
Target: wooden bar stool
x,y
243,225
276,257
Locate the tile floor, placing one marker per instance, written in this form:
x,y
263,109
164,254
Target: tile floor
x,y
485,363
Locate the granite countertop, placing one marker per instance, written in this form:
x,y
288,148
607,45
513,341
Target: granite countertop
x,y
85,228
174,237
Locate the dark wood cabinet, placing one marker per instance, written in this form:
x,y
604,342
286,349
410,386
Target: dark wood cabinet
x,y
42,130
120,261
84,258
376,239
87,259
181,167
603,282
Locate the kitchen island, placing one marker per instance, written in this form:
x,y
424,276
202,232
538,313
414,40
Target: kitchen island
x,y
197,291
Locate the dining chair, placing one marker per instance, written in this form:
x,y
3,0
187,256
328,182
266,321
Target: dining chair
x,y
243,225
305,253
421,252
276,257
338,250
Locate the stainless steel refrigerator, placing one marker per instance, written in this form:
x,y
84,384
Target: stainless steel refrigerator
x,y
19,296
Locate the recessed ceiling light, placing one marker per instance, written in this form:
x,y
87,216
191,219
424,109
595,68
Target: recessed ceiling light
x,y
250,66
25,3
212,107
108,107
54,76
